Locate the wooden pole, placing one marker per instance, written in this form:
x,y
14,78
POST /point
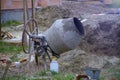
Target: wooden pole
x,y
25,13
33,12
25,20
0,20
33,9
27,10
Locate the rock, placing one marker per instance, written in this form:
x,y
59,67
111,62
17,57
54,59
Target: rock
x,y
102,35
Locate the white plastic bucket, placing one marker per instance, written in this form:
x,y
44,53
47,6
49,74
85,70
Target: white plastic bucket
x,y
54,66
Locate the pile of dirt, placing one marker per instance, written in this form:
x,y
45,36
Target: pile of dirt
x,y
48,15
79,8
77,61
98,48
102,35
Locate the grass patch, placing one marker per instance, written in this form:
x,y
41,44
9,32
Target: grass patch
x,y
16,77
7,48
11,23
54,76
10,49
57,76
115,73
62,76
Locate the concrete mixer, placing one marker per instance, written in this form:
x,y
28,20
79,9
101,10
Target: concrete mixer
x,y
64,35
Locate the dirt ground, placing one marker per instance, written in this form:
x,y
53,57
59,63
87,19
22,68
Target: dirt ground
x,y
48,15
74,61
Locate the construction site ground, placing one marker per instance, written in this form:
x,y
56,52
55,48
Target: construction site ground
x,y
74,61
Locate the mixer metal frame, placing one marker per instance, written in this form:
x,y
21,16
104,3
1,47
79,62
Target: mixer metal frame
x,y
37,44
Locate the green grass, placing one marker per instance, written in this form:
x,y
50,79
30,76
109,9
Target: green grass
x,y
7,48
11,23
57,76
16,77
54,76
118,62
115,73
62,76
10,49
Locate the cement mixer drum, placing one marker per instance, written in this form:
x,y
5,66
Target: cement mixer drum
x,y
64,34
